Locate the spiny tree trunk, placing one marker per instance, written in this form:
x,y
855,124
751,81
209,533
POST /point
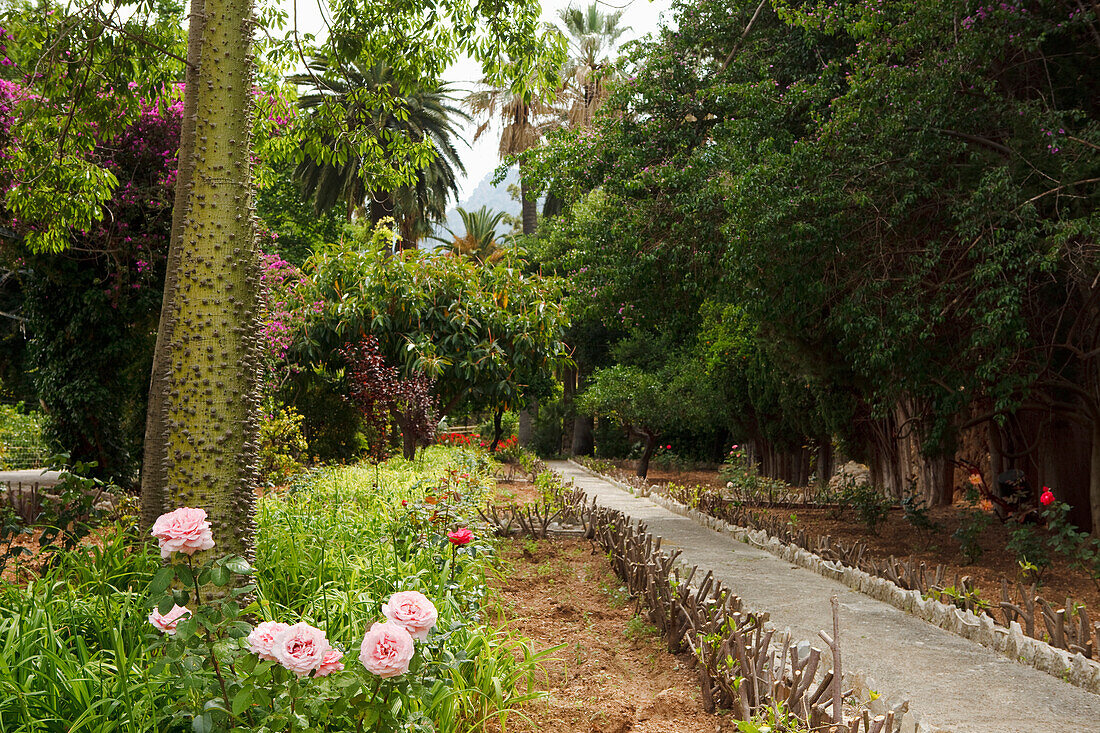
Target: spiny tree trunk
x,y
212,386
153,466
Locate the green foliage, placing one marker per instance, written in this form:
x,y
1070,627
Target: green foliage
x,y
887,212
969,533
869,504
966,598
77,650
1030,551
648,402
744,482
915,512
87,73
298,231
330,423
1081,549
488,334
22,444
283,448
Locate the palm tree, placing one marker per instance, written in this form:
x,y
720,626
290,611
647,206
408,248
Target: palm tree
x,y
479,242
525,118
592,35
426,113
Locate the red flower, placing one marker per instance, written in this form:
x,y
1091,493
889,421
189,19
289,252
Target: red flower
x,y
668,447
460,536
1047,498
404,502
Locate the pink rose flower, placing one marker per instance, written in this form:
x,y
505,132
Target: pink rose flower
x,y
184,530
300,648
167,622
262,639
460,536
387,650
330,663
1047,498
412,610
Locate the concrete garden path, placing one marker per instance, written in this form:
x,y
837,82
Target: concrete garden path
x,y
951,683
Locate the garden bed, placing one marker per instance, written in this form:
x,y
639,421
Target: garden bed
x,y
613,675
897,537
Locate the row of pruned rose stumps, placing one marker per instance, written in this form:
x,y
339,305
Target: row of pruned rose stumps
x,y
231,673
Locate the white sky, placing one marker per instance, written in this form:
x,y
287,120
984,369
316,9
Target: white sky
x,y
642,17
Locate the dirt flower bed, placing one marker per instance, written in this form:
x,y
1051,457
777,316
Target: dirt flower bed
x,y
614,674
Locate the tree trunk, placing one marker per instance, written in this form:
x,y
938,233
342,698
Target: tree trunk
x,y
527,425
584,426
153,465
584,435
530,204
650,448
825,460
1094,481
569,389
408,444
498,428
212,387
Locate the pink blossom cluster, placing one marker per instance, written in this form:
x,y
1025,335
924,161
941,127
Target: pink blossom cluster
x,y
301,648
386,650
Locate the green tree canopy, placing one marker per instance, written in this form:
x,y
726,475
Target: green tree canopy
x,y
487,333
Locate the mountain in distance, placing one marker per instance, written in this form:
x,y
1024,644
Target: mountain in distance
x,y
496,198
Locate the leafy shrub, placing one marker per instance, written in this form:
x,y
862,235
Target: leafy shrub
x,y
870,506
283,448
1081,549
916,513
1031,552
745,483
969,533
22,444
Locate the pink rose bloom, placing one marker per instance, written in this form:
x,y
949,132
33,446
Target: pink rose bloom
x,y
300,648
262,639
1047,498
412,610
330,663
460,536
167,622
184,530
387,650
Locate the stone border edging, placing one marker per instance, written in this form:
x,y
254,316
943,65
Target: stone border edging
x,y
1010,642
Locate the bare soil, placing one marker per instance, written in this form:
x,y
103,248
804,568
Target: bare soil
x,y
897,537
613,675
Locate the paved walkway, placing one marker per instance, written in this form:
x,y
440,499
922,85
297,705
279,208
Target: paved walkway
x,y
951,683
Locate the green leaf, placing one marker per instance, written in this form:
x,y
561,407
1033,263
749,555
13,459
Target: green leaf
x,y
203,724
162,580
238,565
219,575
242,700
